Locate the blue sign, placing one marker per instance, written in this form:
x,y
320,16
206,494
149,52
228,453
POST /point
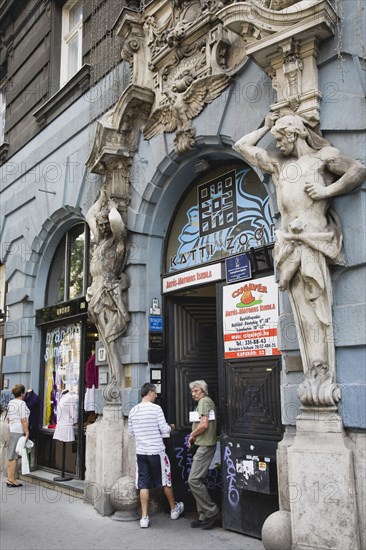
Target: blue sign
x,y
155,323
238,268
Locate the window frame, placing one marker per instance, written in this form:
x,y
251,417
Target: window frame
x,y
67,37
65,243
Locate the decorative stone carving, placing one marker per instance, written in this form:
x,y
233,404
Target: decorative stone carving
x,y
276,531
292,68
306,175
183,54
318,387
186,99
111,393
282,37
208,38
280,4
107,294
125,499
188,60
112,153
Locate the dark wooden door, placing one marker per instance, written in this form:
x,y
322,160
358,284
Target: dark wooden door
x,y
251,398
191,354
250,431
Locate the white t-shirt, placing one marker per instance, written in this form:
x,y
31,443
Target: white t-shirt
x,y
17,409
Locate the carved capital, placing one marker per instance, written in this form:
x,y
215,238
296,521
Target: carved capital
x,y
292,69
318,388
119,169
118,130
278,35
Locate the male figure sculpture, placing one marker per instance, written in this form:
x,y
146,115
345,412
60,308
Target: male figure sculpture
x,y
304,173
106,296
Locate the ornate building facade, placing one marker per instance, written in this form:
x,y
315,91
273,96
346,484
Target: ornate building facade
x,y
163,128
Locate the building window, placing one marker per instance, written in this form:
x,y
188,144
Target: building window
x,y
71,40
2,115
69,274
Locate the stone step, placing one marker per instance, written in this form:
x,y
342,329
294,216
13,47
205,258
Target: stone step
x,y
73,488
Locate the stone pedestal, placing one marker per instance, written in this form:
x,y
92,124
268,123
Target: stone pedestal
x,y
108,456
321,484
90,487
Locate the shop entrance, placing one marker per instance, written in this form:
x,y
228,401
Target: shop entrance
x,y
191,354
225,334
247,395
68,343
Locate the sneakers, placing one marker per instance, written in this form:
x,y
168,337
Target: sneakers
x,y
178,510
174,514
144,522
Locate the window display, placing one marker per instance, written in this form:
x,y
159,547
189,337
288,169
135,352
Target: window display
x,y
62,367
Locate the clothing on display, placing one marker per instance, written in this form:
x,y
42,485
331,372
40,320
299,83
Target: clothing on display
x,y
33,402
67,416
91,383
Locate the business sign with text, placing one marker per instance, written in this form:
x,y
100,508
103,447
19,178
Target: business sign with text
x,y
250,317
192,277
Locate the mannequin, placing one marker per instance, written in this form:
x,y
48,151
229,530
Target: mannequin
x,y
33,402
66,418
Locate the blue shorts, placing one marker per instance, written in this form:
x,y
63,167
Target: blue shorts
x,y
153,471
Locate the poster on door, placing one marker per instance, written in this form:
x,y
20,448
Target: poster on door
x,y
250,317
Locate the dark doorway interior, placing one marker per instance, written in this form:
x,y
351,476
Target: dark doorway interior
x,y
247,394
191,354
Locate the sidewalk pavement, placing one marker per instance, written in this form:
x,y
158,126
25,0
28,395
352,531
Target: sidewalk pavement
x,y
34,517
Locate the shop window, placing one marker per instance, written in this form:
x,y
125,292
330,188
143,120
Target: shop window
x,y
62,368
71,40
69,274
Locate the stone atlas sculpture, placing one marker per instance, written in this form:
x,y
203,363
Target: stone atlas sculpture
x,y
107,294
307,172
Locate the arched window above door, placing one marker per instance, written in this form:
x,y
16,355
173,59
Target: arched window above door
x,y
68,278
225,212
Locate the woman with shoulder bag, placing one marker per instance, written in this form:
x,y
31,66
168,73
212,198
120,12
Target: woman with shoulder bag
x,y
4,440
18,414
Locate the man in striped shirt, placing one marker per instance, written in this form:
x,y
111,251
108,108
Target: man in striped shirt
x,y
146,422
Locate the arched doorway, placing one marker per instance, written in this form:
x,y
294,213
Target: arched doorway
x,y
67,342
220,237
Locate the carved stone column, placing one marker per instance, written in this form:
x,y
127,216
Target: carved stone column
x,y
112,155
